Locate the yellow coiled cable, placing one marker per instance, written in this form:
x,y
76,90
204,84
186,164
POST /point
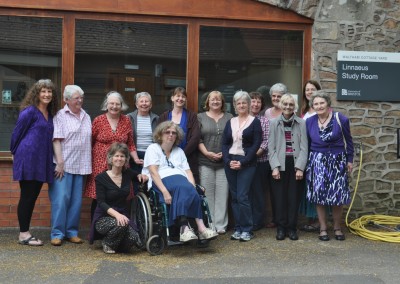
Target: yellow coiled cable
x,y
359,226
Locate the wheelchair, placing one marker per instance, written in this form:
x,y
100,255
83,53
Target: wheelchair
x,y
151,218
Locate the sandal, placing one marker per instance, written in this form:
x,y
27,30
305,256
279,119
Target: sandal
x,y
339,237
323,238
31,241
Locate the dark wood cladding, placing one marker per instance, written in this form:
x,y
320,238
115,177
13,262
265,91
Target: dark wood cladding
x,y
213,9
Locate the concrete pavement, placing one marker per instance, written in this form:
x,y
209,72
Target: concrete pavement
x,y
262,260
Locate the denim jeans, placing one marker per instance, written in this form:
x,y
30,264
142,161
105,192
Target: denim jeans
x,y
239,187
66,200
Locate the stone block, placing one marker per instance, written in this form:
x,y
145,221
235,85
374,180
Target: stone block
x,y
369,140
395,113
394,166
383,185
388,121
392,175
374,113
356,112
362,130
367,106
391,157
326,30
391,24
373,121
387,139
325,61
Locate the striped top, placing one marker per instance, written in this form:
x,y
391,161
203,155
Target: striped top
x,y
144,133
288,137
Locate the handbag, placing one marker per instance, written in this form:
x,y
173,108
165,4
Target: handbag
x,y
341,129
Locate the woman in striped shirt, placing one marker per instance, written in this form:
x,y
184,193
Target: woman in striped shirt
x,y
287,148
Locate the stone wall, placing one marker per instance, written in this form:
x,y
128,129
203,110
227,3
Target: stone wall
x,y
365,25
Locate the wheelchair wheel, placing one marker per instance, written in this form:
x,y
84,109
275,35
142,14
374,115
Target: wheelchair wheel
x,y
141,212
155,245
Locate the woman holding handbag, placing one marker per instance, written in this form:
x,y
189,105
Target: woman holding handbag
x,y
330,161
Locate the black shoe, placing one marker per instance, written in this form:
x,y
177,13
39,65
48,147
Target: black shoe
x,y
280,235
293,235
340,237
257,227
323,238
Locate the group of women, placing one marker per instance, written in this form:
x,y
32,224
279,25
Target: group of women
x,y
228,155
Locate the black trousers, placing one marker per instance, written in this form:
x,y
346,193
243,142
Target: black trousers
x,y
30,190
287,192
119,238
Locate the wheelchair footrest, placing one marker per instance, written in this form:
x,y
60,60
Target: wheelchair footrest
x,y
174,243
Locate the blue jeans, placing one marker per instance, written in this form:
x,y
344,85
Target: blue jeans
x,y
239,187
66,200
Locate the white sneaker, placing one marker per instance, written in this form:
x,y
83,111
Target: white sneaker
x,y
208,234
187,236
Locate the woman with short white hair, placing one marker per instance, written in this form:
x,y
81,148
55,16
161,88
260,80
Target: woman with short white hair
x,y
73,161
110,127
240,143
144,121
287,148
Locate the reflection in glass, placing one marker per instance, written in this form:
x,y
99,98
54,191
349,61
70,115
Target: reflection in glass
x,y
234,59
129,58
30,49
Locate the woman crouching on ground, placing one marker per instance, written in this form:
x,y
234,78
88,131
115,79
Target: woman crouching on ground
x,y
110,220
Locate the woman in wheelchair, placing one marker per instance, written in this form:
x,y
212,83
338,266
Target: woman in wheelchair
x,y
170,175
110,221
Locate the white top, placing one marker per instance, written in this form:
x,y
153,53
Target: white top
x,y
237,135
155,156
307,115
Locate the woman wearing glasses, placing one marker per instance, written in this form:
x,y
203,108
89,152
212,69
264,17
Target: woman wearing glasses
x,y
170,175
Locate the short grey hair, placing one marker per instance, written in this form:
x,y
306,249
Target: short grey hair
x,y
142,94
320,94
278,88
124,106
241,95
287,97
70,90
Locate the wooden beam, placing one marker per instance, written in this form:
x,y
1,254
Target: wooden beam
x,y
218,9
68,52
192,65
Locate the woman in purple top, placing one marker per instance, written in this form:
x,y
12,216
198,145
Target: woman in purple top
x,y
32,150
330,161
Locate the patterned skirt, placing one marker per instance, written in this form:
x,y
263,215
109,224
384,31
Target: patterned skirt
x,y
327,180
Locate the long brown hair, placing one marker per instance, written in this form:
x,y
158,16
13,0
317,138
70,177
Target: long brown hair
x,y
305,104
32,97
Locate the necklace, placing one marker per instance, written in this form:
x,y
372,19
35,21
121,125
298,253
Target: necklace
x,y
323,122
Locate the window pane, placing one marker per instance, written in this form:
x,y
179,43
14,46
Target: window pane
x,y
129,58
30,49
234,59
